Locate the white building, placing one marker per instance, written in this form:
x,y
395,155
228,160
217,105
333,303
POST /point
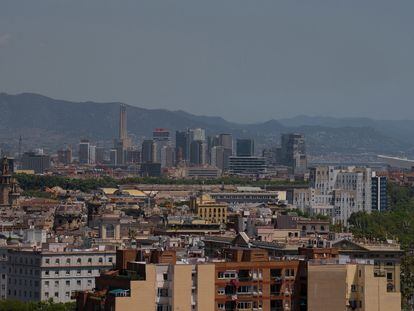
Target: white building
x,y
35,275
336,192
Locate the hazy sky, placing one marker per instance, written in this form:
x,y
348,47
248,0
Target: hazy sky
x,y
246,60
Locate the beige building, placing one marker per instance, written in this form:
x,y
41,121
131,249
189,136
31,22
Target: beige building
x,y
342,287
212,212
161,287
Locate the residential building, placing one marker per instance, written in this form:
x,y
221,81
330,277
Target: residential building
x,y
336,191
40,275
350,286
379,193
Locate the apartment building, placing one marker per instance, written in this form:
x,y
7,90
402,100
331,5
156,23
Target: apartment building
x,y
245,280
212,212
55,273
337,287
336,192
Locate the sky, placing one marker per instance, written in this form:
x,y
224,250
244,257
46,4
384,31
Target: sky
x,y
244,60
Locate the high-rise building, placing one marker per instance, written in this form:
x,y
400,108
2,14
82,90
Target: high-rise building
x,y
123,132
293,152
65,156
92,154
161,138
39,163
167,156
119,146
245,147
379,193
182,145
133,156
113,156
220,157
83,155
197,152
99,155
198,134
226,140
123,142
147,152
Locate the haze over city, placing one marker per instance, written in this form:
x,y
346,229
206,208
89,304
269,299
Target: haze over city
x,y
246,61
183,155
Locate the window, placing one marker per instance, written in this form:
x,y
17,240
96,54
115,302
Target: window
x,y
47,260
78,272
289,272
68,260
389,276
67,294
165,276
67,272
353,288
56,283
89,282
57,272
78,282
67,283
227,275
220,291
220,306
46,283
162,292
100,260
56,294
79,260
47,295
110,259
89,260
89,271
57,261
47,272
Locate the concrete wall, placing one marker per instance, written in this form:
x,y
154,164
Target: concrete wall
x,y
326,287
205,287
143,293
181,287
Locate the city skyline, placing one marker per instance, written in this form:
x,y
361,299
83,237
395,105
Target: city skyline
x,y
244,62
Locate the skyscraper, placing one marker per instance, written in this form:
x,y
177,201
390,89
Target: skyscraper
x,y
123,132
196,152
245,148
379,193
293,152
122,143
226,140
182,145
147,151
161,138
83,155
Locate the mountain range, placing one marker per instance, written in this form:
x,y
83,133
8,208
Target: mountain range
x,y
45,122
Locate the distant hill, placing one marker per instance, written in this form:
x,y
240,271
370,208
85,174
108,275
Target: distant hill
x,y
50,123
